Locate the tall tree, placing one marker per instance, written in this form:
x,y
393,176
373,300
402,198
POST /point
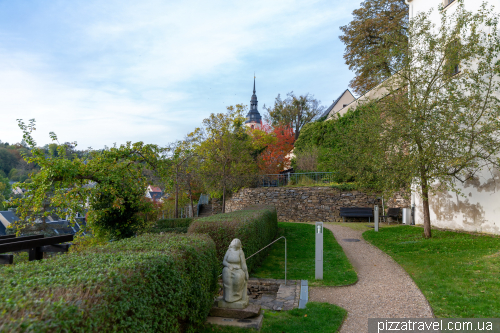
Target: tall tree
x,y
439,125
294,111
378,26
225,151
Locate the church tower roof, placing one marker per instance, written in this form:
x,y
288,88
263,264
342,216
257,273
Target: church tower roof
x,y
253,116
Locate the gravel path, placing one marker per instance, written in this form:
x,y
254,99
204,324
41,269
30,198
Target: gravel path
x,y
383,290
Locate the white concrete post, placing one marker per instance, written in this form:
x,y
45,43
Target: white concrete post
x,y
319,251
375,216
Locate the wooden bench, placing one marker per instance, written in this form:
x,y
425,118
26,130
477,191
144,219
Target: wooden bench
x,y
36,245
356,212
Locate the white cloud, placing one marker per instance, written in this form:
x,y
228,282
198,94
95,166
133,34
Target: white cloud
x,y
116,70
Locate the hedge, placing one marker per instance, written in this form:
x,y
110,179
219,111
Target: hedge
x,y
150,283
255,226
172,225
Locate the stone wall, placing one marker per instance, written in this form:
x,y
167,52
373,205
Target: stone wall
x,y
302,204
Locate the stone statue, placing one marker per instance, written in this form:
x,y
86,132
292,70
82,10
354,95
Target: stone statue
x,y
234,277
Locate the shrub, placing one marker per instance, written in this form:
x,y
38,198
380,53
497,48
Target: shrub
x,y
172,225
255,226
150,283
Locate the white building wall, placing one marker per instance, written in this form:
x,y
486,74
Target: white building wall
x,y
479,209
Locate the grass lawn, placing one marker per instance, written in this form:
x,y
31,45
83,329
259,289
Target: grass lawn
x,y
458,273
316,317
337,269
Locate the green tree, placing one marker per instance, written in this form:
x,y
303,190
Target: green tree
x,y
108,184
182,172
378,27
439,125
294,111
5,190
225,152
7,160
320,141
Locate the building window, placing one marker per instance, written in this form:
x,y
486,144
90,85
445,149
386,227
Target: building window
x,y
345,105
252,127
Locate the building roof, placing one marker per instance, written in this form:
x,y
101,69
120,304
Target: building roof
x,y
7,217
152,188
330,108
155,195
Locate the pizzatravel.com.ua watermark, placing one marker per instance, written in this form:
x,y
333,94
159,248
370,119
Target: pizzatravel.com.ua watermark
x,y
433,325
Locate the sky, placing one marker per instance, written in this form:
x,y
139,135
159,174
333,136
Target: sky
x,y
104,72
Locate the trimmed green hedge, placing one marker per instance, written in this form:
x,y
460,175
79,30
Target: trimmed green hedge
x,y
150,283
255,226
172,225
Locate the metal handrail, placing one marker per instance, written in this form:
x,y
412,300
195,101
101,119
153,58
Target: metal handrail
x,y
268,246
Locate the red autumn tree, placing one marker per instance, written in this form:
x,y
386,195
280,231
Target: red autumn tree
x,y
276,144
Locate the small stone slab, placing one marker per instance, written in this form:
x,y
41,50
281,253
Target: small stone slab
x,y
255,323
351,240
252,310
304,294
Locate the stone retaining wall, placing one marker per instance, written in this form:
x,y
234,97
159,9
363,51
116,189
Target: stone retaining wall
x,y
305,204
301,204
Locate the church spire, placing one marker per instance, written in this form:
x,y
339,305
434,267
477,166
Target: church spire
x,y
254,83
253,117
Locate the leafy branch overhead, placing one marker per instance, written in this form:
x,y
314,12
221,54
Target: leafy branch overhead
x,y
107,184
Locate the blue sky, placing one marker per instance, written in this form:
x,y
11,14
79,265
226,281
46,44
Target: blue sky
x,y
99,72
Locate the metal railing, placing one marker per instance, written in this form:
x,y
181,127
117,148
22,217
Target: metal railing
x,y
266,247
305,179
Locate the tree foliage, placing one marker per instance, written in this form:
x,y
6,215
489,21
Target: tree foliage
x,y
107,185
5,190
378,28
439,124
225,152
275,145
294,111
322,145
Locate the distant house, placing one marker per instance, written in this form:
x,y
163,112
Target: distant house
x,y
6,218
154,193
340,103
18,190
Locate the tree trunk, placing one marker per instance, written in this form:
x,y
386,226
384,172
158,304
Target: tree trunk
x,y
425,205
176,213
224,198
191,199
224,189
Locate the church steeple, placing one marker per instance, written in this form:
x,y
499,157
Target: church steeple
x,y
253,100
254,119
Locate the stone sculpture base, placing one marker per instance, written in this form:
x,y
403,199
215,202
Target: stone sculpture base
x,y
255,323
253,310
241,304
